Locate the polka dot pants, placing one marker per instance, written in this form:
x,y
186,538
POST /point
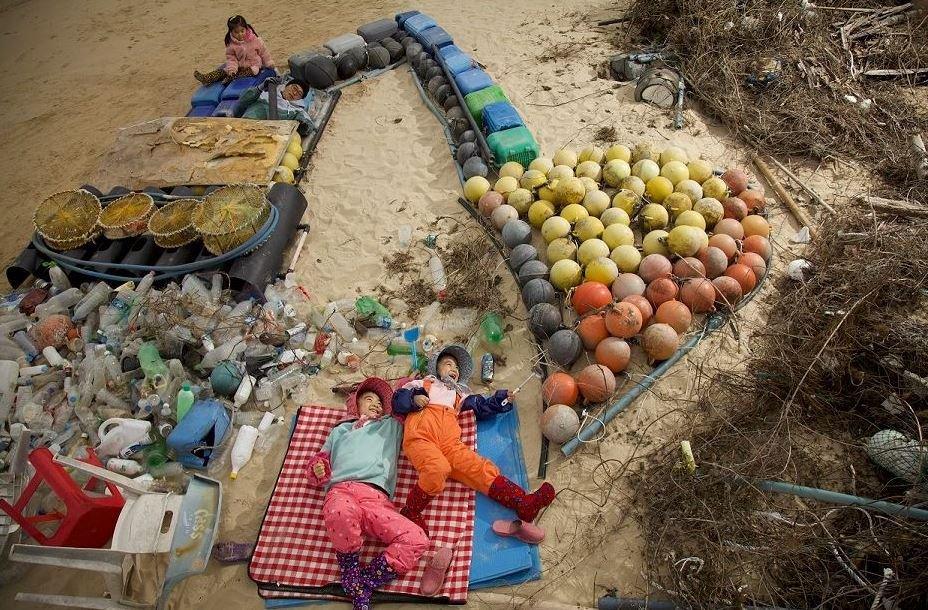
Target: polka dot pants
x,y
353,510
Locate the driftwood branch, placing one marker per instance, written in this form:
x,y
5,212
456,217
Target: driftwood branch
x,y
902,72
892,206
815,196
784,197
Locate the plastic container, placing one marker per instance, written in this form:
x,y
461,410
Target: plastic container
x,y
404,235
491,328
242,449
459,62
472,80
500,116
343,43
371,309
156,371
243,393
126,467
167,470
416,24
185,400
377,30
478,100
434,38
515,144
401,18
9,372
118,433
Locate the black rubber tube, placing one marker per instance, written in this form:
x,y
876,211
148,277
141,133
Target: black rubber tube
x,y
143,251
180,256
27,263
252,272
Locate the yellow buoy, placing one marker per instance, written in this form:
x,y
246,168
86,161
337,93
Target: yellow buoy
x,y
653,216
618,151
565,274
634,184
560,172
685,240
676,203
511,168
674,153
546,192
690,188
475,188
566,156
700,170
596,202
588,227
569,191
614,216
591,249
655,242
541,164
676,172
284,174
295,148
646,169
532,179
290,161
691,218
592,153
711,209
618,235
658,188
589,169
615,171
627,258
561,249
643,150
574,212
520,199
506,185
555,227
539,212
603,270
589,184
715,188
626,201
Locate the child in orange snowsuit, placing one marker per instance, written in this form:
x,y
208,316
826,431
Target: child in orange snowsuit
x,y
432,438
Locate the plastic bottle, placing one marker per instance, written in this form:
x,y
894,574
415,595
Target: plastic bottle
x,y
439,281
215,291
156,371
59,278
112,400
184,401
404,235
167,470
126,467
340,324
53,357
242,449
9,372
32,371
118,309
194,287
491,327
155,454
427,316
93,299
60,303
371,309
243,393
227,351
28,347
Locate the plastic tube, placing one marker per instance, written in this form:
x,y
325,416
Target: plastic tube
x,y
834,497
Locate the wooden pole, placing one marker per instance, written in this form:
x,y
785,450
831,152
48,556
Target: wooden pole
x,y
892,206
815,196
785,198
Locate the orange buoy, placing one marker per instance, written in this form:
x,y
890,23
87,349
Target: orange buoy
x,y
596,382
561,389
623,320
589,296
675,314
660,341
661,290
592,330
743,275
643,305
613,353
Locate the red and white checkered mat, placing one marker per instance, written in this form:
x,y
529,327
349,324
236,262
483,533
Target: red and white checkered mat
x,y
293,557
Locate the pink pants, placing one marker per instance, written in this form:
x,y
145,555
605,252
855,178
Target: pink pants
x,y
352,509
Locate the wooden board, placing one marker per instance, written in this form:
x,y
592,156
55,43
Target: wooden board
x,y
195,151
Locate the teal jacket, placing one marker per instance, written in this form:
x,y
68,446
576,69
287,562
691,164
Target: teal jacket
x,y
366,455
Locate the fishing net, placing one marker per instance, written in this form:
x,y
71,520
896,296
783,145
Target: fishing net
x,y
172,224
230,216
68,219
127,216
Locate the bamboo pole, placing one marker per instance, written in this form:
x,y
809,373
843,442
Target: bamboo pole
x,y
785,198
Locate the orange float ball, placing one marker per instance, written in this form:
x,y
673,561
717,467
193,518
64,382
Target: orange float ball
x,y
755,225
643,305
730,227
589,296
592,330
754,199
623,320
596,382
725,243
675,314
661,290
613,353
755,262
660,341
743,275
560,389
759,245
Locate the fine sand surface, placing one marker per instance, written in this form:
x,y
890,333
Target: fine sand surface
x,y
84,69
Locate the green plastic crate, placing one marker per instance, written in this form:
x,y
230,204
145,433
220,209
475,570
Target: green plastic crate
x,y
478,99
516,144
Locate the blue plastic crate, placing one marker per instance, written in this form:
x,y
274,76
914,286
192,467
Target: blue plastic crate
x,y
459,62
201,110
434,38
207,95
416,24
500,116
402,17
448,50
472,80
226,108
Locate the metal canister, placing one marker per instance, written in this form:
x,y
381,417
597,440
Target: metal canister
x,y
486,368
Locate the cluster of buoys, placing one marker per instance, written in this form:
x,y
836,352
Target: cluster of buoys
x,y
640,241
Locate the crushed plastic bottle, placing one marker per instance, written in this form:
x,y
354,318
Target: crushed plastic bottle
x,y
371,310
59,278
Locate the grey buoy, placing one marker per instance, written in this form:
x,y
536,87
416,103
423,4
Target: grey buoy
x,y
532,270
522,254
435,83
544,320
442,93
450,101
564,347
378,57
516,232
469,136
475,167
347,65
433,72
458,126
465,151
455,112
538,291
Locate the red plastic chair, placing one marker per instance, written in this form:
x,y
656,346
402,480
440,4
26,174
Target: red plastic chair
x,y
88,521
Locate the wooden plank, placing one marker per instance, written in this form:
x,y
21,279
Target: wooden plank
x,y
784,197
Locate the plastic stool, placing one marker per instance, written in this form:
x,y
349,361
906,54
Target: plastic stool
x,y
90,518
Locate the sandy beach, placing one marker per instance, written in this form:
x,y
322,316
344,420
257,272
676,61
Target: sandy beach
x,y
79,71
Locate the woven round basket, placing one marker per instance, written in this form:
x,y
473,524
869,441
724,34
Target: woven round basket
x,y
68,219
229,216
172,225
127,216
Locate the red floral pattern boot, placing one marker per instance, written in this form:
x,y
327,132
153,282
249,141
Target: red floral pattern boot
x,y
512,496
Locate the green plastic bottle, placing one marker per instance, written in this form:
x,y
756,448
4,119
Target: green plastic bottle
x,y
156,371
184,401
492,328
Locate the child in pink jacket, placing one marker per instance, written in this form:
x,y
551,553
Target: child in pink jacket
x,y
357,466
245,54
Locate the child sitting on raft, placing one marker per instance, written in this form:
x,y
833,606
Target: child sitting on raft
x,y
357,465
432,442
246,54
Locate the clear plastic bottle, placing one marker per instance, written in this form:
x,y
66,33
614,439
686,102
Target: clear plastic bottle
x,y
59,278
92,300
340,324
54,358
60,303
112,400
28,347
243,448
215,290
439,281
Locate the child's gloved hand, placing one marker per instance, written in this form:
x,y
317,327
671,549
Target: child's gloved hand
x,y
319,469
421,401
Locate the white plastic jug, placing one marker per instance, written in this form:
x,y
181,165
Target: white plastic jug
x,y
242,449
117,433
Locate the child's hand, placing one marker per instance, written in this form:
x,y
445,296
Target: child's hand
x,y
319,469
421,401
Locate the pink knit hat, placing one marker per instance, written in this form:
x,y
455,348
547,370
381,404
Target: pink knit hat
x,y
372,384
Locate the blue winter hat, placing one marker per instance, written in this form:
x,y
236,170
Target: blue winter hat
x,y
460,354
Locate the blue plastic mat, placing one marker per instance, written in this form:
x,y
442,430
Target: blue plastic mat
x,y
496,561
